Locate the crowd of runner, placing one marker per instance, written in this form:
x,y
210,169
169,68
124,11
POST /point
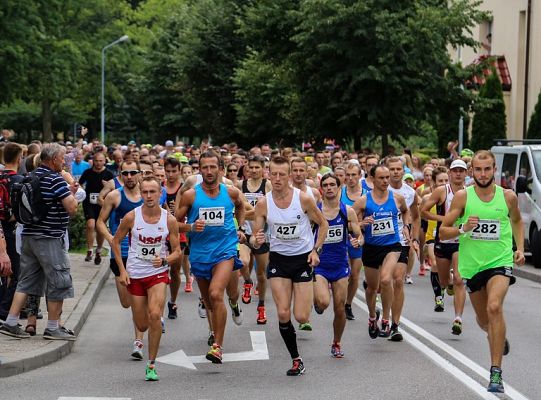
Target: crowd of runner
x,y
308,222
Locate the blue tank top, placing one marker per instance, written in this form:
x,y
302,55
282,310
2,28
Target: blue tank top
x,y
344,198
384,230
219,240
335,255
366,189
117,182
124,207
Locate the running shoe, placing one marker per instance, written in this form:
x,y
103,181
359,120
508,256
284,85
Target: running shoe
x,y
349,313
373,329
305,326
151,374
14,331
317,309
396,336
450,290
88,255
247,295
336,350
137,352
457,327
211,338
201,310
439,306
408,280
261,315
188,286
236,313
297,368
385,330
214,355
496,382
506,347
172,307
97,257
422,270
163,324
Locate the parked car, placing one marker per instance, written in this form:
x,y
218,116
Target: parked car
x,y
518,167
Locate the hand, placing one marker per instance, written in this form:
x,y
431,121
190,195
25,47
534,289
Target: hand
x,y
157,262
367,221
406,233
198,226
124,278
472,222
417,249
84,131
260,238
356,242
313,259
5,265
241,236
519,257
73,187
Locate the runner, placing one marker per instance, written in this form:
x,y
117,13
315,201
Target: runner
x,y
299,176
491,219
446,251
409,249
333,268
380,210
213,242
115,206
145,273
352,192
254,188
367,183
288,212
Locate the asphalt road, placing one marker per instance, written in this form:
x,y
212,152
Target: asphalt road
x,y
431,363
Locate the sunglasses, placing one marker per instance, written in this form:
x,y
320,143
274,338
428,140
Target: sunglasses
x,y
132,173
232,170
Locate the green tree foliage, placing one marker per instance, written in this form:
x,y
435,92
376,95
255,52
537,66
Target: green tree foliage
x,y
534,127
489,120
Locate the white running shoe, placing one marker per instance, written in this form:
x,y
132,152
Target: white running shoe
x,y
236,313
201,309
137,352
163,324
408,280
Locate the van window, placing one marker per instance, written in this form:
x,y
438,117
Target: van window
x,y
536,155
509,168
524,167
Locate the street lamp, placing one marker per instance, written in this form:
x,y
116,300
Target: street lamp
x,y
119,40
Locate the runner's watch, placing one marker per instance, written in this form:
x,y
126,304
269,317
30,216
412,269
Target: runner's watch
x,y
318,250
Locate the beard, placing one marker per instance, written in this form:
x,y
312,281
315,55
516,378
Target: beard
x,y
484,185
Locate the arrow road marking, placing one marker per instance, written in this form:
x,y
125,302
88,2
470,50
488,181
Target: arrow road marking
x,y
259,352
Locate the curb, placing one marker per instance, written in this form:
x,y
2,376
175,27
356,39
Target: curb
x,y
59,349
523,273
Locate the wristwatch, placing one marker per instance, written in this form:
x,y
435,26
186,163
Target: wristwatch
x,y
461,229
318,250
164,262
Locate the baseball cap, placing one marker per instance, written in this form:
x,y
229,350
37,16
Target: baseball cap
x,y
458,164
169,143
408,176
131,142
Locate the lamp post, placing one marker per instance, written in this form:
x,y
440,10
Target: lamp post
x,y
119,40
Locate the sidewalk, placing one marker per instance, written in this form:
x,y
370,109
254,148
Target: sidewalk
x,y
21,355
528,272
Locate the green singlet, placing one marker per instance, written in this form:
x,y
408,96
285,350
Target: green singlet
x,y
490,243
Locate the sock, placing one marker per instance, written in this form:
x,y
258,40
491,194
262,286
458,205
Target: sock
x,y
52,325
249,281
171,301
436,287
290,338
12,320
151,363
348,305
458,318
261,303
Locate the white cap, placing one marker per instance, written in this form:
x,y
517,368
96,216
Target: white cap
x,y
124,148
354,161
458,164
169,143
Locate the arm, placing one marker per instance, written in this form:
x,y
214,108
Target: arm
x,y
184,205
415,221
359,207
317,195
111,201
427,204
405,214
5,262
447,228
172,226
260,216
516,224
237,199
316,216
125,226
108,187
357,239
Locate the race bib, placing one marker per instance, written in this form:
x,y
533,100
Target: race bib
x,y
383,226
252,198
213,216
148,251
335,234
93,198
486,229
286,231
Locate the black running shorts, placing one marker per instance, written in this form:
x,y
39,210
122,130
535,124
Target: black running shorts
x,y
295,268
373,256
480,280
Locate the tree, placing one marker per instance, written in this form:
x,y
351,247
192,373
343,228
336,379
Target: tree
x,y
489,121
534,127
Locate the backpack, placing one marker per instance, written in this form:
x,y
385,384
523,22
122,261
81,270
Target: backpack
x,y
27,202
5,202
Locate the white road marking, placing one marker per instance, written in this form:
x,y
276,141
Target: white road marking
x,y
259,352
94,398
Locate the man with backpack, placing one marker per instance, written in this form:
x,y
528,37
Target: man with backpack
x,y
45,266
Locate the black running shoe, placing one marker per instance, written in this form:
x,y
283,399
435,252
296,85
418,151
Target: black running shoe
x,y
373,329
297,368
496,382
349,313
210,340
172,314
385,330
317,309
396,336
506,347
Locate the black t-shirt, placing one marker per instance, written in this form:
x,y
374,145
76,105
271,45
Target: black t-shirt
x,y
171,198
94,183
9,226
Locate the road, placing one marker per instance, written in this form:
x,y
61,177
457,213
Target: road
x,y
431,363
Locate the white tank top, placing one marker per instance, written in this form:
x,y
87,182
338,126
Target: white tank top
x,y
147,241
409,195
290,230
449,195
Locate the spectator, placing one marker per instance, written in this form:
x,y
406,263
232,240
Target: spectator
x,y
79,165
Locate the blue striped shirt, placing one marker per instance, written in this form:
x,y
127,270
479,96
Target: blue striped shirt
x,y
54,189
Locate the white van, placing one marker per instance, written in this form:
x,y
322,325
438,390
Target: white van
x,y
519,168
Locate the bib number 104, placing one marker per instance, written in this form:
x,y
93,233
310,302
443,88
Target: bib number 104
x,y
213,216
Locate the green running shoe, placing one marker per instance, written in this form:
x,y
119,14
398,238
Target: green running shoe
x,y
151,373
305,326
